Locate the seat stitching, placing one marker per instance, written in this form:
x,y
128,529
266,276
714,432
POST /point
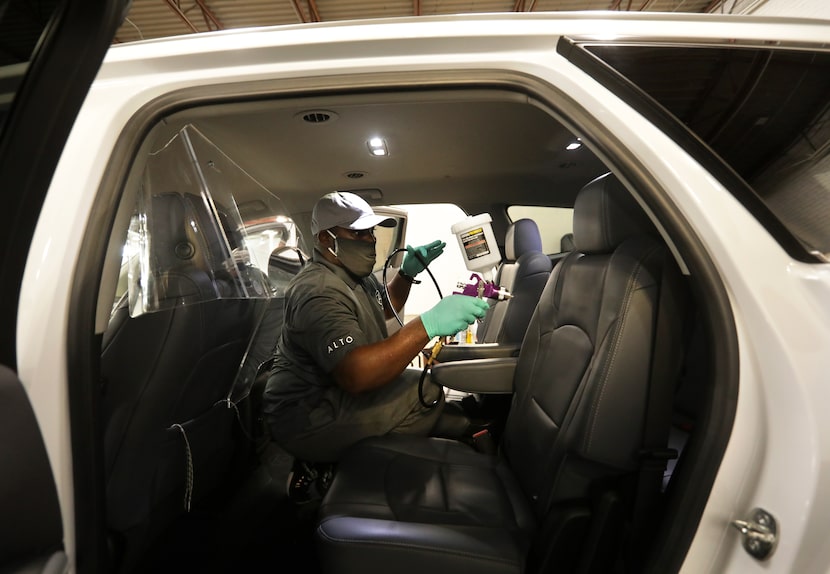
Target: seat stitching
x,y
327,536
617,336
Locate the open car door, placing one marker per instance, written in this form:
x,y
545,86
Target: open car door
x,y
50,54
388,240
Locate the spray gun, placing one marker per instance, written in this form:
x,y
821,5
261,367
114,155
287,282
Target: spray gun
x,y
481,254
482,289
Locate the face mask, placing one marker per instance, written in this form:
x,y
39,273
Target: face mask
x,y
356,255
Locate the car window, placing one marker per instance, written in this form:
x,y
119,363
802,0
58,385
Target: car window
x,y
388,239
555,224
765,112
261,237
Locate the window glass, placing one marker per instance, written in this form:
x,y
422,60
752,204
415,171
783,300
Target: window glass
x,y
763,111
796,186
555,225
387,239
272,244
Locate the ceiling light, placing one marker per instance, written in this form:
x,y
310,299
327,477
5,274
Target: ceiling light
x,y
574,145
377,147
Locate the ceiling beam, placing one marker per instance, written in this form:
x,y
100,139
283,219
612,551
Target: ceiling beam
x,y
175,8
299,11
209,15
313,12
521,6
312,9
416,7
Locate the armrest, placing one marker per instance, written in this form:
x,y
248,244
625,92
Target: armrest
x,y
478,351
486,376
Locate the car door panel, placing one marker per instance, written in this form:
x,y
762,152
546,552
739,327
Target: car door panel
x,y
54,50
31,537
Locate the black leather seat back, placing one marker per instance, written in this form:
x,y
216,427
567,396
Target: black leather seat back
x,y
168,437
524,274
566,243
582,377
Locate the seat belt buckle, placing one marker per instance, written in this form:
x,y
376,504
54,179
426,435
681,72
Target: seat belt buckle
x,y
483,442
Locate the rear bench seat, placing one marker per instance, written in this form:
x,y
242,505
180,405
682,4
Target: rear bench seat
x,y
572,441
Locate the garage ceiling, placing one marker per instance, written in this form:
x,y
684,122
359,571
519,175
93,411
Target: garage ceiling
x,y
158,18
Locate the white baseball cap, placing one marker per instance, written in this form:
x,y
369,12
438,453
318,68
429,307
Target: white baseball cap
x,y
347,210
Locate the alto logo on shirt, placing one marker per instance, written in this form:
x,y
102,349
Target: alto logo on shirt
x,y
379,298
341,342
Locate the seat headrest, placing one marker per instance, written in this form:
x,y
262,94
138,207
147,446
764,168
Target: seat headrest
x,y
522,237
174,243
566,243
605,214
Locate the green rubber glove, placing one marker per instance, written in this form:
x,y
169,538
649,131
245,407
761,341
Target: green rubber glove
x,y
452,314
411,265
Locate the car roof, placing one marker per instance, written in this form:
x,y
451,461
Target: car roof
x,y
481,142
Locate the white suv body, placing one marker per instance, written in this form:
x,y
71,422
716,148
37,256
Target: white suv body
x,y
778,453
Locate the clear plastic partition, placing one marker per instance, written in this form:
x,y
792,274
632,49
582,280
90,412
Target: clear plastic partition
x,y
202,230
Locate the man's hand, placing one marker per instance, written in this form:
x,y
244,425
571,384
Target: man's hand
x,y
413,264
452,314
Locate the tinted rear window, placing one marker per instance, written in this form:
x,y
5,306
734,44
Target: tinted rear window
x,y
765,112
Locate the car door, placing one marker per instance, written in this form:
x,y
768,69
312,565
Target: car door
x,y
388,240
52,51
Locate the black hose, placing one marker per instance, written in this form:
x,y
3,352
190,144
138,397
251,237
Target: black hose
x,y
421,396
386,285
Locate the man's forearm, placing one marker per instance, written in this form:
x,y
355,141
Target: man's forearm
x,y
372,366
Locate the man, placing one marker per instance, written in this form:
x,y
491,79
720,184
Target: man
x,y
337,375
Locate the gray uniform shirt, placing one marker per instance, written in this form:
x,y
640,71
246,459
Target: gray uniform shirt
x,y
327,314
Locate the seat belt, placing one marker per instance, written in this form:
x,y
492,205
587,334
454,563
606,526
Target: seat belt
x,y
666,363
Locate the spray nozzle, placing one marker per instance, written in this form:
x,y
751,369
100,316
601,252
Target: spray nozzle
x,y
482,289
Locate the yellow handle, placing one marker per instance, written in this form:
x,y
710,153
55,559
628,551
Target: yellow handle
x,y
436,348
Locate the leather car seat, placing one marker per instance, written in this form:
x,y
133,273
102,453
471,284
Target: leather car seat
x,y
524,274
566,243
575,431
168,437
